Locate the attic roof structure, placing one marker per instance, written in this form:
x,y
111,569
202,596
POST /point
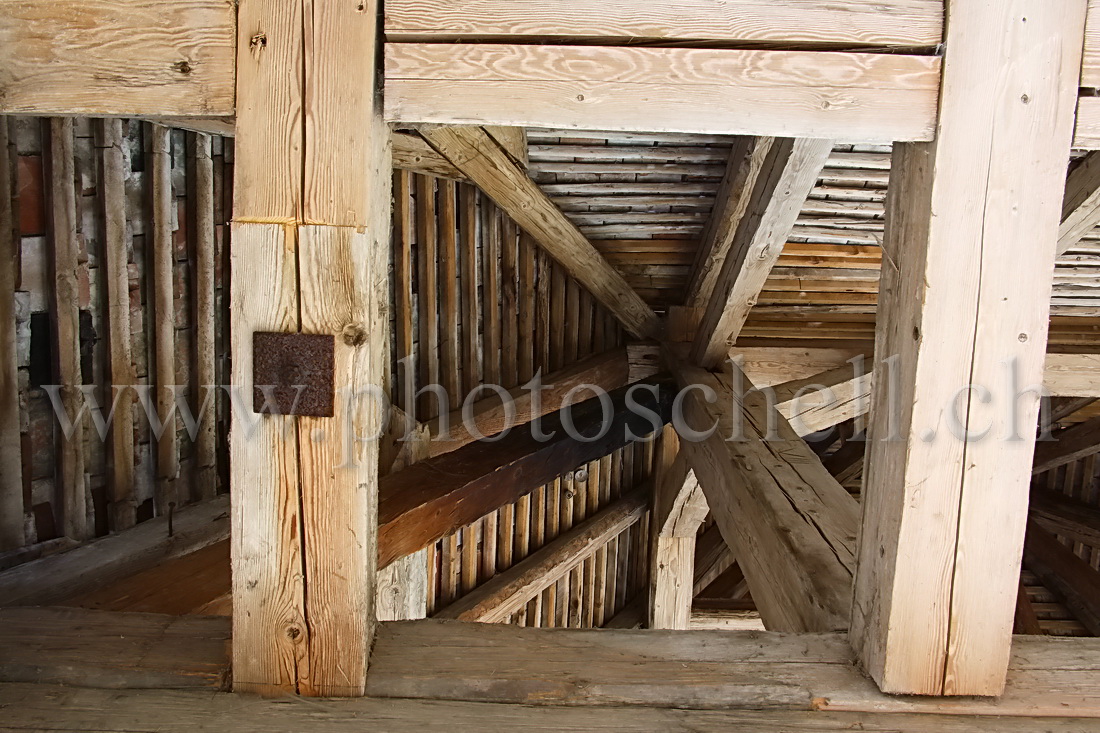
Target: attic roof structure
x,y
550,366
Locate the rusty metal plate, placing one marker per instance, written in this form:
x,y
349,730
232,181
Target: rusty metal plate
x,y
297,370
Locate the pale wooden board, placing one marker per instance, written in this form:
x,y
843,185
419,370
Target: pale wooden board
x,y
848,96
1090,64
1087,132
75,646
46,707
894,23
117,57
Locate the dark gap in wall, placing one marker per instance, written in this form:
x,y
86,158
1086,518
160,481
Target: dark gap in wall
x,y
145,511
40,369
88,339
44,521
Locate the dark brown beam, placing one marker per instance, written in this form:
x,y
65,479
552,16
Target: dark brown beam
x,y
1061,515
433,498
1065,574
1068,445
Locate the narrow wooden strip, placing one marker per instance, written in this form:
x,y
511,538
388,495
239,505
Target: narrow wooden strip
x,y
11,470
203,281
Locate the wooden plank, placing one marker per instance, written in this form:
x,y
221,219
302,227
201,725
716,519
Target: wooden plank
x,y
1090,64
433,498
1073,579
898,23
847,96
53,578
824,400
1067,446
746,161
679,506
203,281
509,591
938,569
76,646
790,167
1080,203
488,166
120,366
11,470
1087,132
412,153
154,58
791,526
492,415
65,309
699,669
672,584
1065,516
31,706
427,295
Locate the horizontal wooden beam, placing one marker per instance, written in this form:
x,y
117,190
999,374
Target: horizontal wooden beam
x,y
474,152
844,96
1067,446
896,23
118,57
702,669
509,591
1061,515
607,371
413,153
824,400
791,526
433,498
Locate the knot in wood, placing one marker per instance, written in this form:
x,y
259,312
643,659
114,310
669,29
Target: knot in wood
x,y
354,334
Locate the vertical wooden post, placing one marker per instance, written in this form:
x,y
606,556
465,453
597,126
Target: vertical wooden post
x,y
972,223
312,226
120,366
11,469
164,321
205,381
66,314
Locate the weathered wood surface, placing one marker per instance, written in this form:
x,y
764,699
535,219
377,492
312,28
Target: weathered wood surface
x,y
83,648
698,669
790,524
11,470
117,57
972,230
487,164
507,592
1080,202
895,23
95,564
433,498
847,96
28,707
202,234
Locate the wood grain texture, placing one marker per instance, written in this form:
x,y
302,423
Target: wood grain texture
x,y
973,221
167,492
1067,446
1090,62
117,57
702,670
203,280
1087,130
509,591
846,96
787,173
791,526
412,153
65,309
487,165
672,584
1080,203
11,469
117,287
896,23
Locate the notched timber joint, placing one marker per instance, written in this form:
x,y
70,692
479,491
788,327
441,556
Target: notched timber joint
x,y
293,374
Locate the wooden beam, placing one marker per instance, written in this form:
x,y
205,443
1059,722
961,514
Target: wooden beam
x,y
791,526
65,307
433,498
1060,570
824,400
1025,620
712,558
120,367
311,208
972,223
477,155
144,58
788,172
1061,515
746,161
1067,446
205,381
850,96
11,457
413,153
917,23
506,593
710,670
607,371
679,506
51,579
1080,203
673,569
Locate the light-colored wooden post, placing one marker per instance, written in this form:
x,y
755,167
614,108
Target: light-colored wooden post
x,y
972,224
311,228
112,183
66,312
11,470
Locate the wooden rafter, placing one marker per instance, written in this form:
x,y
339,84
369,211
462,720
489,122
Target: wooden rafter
x,y
1067,446
787,174
1081,202
480,158
1064,516
1066,574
